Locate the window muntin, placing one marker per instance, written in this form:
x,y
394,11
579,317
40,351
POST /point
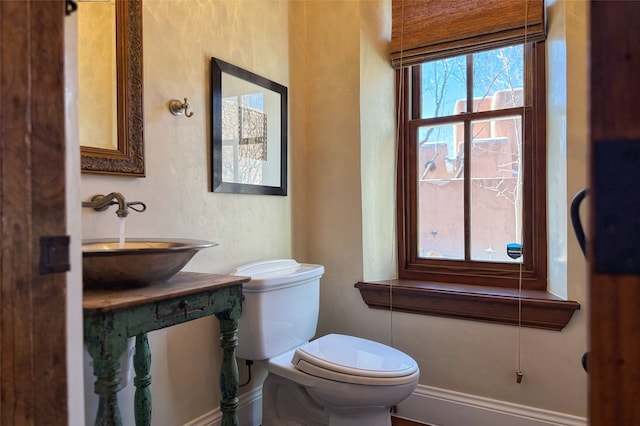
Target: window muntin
x,y
462,205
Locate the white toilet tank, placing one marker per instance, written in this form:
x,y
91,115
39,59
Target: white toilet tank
x,y
280,309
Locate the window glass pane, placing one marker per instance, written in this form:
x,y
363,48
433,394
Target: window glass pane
x,y
440,193
444,87
496,188
498,78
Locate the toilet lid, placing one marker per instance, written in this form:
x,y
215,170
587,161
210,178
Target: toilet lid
x,y
354,360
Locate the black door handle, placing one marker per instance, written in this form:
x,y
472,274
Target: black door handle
x,y
575,219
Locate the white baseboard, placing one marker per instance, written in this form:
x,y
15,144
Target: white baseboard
x,y
441,407
429,405
249,411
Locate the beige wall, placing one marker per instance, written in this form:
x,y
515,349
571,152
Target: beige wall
x,y
180,37
75,375
348,187
340,211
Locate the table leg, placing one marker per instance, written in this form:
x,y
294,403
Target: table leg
x,y
142,380
229,371
106,368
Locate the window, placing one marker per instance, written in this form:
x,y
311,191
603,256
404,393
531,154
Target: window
x,y
471,164
472,169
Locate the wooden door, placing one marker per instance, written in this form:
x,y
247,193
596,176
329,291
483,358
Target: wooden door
x,y
614,249
33,374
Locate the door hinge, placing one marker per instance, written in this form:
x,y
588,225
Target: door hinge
x,y
54,254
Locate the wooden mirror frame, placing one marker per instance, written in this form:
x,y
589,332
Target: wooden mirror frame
x,y
128,158
219,68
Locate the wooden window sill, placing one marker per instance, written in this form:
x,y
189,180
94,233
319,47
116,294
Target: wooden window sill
x,y
540,309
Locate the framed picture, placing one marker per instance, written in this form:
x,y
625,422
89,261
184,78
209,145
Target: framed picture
x,y
249,132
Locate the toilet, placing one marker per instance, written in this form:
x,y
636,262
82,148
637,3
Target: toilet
x,y
335,380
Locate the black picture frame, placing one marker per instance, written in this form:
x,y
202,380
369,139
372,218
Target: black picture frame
x,y
249,128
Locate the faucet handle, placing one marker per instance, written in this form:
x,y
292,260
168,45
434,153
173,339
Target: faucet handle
x,y
137,206
102,202
99,202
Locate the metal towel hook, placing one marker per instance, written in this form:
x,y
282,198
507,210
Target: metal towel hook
x,y
177,108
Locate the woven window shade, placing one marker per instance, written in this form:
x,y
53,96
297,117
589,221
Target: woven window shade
x,y
423,30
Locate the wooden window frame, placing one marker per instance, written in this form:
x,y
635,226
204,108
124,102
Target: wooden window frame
x,y
481,291
495,274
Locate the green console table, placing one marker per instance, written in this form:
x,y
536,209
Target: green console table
x,y
112,316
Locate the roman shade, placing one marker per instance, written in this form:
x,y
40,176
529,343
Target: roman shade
x,y
429,29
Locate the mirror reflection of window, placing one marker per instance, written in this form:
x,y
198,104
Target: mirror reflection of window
x,y
244,138
250,133
97,93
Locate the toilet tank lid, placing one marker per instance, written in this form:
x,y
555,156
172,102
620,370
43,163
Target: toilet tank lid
x,y
271,274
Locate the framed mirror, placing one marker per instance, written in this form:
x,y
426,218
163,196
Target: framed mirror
x,y
249,132
110,111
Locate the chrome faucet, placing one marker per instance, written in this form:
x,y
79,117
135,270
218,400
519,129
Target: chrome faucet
x,y
102,202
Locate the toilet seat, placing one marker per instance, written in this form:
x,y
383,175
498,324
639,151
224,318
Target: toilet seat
x,y
350,359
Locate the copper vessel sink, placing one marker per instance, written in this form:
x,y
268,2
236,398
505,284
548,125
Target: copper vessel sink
x,y
139,262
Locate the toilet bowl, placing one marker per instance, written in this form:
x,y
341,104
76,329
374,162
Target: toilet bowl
x,y
355,381
335,380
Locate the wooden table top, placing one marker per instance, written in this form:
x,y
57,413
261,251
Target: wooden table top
x,y
182,284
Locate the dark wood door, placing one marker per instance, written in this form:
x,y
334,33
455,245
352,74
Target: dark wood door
x,y
33,374
614,188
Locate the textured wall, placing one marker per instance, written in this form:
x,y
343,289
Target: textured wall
x,y
74,290
332,55
180,37
348,194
